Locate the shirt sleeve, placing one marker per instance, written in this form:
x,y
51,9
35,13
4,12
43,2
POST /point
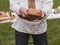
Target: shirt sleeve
x,y
14,6
47,7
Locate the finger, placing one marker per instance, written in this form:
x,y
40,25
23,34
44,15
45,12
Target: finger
x,y
23,15
25,12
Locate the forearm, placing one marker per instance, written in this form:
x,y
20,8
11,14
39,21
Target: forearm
x,y
14,6
47,7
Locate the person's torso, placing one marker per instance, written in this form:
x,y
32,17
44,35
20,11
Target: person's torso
x,y
33,27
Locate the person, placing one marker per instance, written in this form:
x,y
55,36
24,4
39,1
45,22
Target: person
x,y
36,28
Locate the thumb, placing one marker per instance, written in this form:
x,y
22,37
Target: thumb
x,y
42,14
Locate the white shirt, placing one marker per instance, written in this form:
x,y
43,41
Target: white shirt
x,y
31,27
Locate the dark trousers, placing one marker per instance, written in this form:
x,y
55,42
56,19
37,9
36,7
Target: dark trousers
x,y
22,38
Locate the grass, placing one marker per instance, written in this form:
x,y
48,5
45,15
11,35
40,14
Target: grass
x,y
54,32
4,5
56,3
7,33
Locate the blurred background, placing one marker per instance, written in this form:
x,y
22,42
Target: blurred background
x,y
7,33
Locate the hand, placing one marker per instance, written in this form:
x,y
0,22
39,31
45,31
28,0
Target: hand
x,y
43,14
23,11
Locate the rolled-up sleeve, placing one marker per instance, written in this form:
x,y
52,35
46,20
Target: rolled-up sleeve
x,y
14,6
47,6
